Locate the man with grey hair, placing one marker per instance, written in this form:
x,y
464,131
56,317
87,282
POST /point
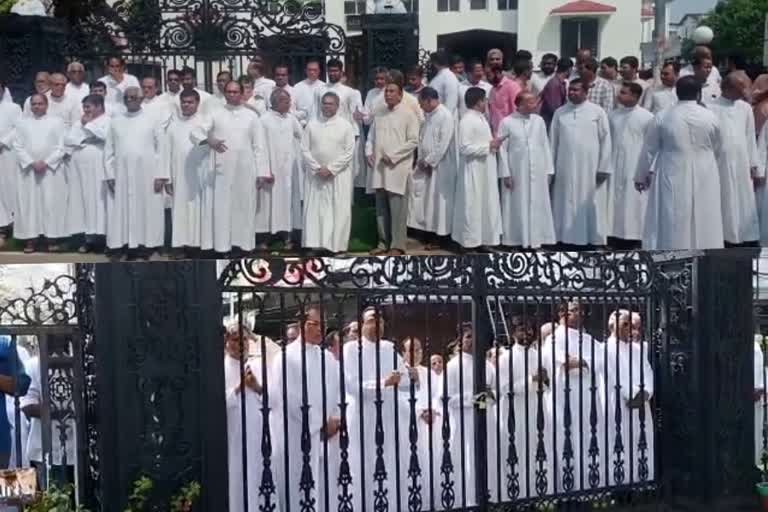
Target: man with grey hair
x,y
135,178
328,147
77,88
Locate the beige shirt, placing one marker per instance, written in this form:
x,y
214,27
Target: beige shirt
x,y
394,133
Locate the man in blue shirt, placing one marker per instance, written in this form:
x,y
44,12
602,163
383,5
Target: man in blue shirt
x,y
13,381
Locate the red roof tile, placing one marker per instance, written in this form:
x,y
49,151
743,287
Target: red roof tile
x,y
583,7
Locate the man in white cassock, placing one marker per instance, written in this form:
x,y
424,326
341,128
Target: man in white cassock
x,y
188,164
282,139
173,89
664,96
42,86
738,162
262,86
111,109
477,211
153,104
445,82
626,206
759,397
680,169
77,88
578,361
10,116
526,171
365,116
581,149
42,184
475,78
629,377
238,158
523,373
328,146
208,103
303,367
304,92
366,385
117,81
135,178
458,389
433,183
87,191
60,105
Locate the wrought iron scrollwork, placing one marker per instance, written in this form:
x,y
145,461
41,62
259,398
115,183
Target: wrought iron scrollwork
x,y
52,303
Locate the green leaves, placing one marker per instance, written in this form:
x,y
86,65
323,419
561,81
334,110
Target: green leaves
x,y
738,26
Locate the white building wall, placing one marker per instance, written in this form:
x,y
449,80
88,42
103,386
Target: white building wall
x,y
434,23
620,33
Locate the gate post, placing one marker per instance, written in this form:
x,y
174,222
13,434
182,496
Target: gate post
x,y
706,367
483,335
160,381
391,40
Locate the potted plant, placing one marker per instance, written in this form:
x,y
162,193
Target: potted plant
x,y
54,499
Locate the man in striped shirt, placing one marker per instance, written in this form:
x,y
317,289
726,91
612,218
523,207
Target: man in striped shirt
x,y
601,91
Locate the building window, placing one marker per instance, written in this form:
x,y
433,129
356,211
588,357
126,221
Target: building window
x,y
477,5
507,5
447,5
578,33
411,5
353,9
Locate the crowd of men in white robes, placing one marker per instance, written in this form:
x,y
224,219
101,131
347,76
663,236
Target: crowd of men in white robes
x,y
323,393
582,157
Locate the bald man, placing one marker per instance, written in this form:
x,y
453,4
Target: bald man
x,y
713,79
77,88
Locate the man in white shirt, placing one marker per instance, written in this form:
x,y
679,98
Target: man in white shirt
x,y
304,92
173,85
189,82
475,78
262,86
77,88
222,79
117,81
42,86
702,70
546,71
713,77
629,67
664,96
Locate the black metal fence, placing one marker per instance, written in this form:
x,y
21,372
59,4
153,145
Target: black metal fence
x,y
545,393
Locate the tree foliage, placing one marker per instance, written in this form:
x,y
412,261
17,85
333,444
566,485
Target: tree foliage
x,y
739,27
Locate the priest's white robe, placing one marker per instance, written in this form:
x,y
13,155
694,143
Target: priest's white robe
x,y
10,117
477,211
66,108
262,90
684,209
329,143
304,95
525,156
735,160
447,86
361,385
710,93
581,148
626,206
350,102
432,193
429,434
760,385
87,192
464,87
531,403
115,89
41,209
628,371
282,139
372,99
229,188
135,211
576,390
77,92
188,164
460,394
660,98
253,435
305,359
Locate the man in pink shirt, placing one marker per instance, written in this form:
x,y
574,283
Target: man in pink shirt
x,y
501,102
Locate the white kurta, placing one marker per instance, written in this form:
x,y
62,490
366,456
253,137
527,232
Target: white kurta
x,y
262,89
684,209
229,189
628,372
66,108
282,138
188,164
526,158
115,89
581,148
432,193
447,86
735,160
77,92
531,404
135,211
760,384
304,96
328,201
10,116
87,192
41,207
464,87
477,210
661,98
576,389
626,206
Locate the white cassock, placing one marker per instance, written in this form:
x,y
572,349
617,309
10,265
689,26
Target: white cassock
x,y
135,211
87,196
350,102
684,209
710,93
660,98
262,90
329,143
229,187
525,156
361,380
372,98
627,372
41,198
735,160
115,89
304,95
581,148
464,87
10,117
429,436
447,86
65,108
432,193
477,210
460,375
188,164
253,435
531,404
582,404
282,139
77,92
760,380
304,359
626,206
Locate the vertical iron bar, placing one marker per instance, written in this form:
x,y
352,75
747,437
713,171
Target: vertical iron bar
x,y
481,337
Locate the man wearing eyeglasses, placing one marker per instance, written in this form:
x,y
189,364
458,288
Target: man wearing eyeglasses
x,y
77,88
